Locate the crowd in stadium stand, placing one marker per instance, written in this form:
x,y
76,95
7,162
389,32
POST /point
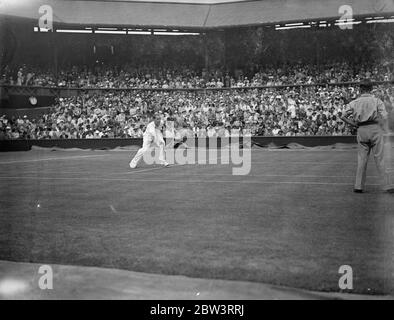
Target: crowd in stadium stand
x,y
124,114
128,76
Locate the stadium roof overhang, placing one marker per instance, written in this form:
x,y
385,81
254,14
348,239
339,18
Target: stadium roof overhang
x,y
192,16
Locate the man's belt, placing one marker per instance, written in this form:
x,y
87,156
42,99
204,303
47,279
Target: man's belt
x,y
367,123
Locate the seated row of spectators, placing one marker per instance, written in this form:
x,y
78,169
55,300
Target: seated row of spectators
x,y
128,76
264,112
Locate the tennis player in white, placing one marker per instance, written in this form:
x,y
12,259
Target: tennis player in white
x,y
152,135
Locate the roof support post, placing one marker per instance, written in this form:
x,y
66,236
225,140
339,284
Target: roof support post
x,y
206,51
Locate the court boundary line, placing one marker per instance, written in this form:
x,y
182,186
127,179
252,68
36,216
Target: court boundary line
x,y
148,169
192,174
252,175
196,174
230,165
179,181
57,158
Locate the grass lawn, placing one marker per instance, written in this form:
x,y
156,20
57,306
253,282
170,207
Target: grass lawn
x,y
292,221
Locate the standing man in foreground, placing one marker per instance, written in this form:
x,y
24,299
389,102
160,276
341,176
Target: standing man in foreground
x,y
369,117
152,135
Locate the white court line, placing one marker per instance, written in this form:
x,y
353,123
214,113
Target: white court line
x,y
342,163
188,174
268,162
43,172
312,150
49,159
184,181
145,170
302,162
252,175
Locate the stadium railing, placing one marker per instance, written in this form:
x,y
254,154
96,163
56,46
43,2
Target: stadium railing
x,y
17,97
75,90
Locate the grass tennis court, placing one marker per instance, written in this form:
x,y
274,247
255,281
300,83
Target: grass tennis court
x,y
292,221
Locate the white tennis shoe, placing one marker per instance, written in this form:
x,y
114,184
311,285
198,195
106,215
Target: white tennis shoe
x,y
165,164
132,164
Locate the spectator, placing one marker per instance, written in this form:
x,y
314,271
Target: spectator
x,y
269,111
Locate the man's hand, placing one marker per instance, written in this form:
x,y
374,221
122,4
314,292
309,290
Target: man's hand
x,y
349,122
